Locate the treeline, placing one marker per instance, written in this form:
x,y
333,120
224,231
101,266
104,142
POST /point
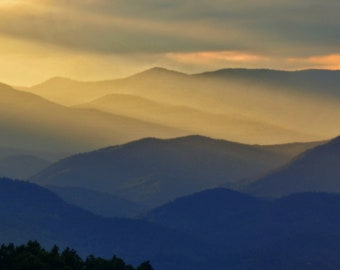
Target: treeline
x,y
33,257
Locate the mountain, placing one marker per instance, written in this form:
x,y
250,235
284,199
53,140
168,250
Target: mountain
x,y
23,163
289,233
154,171
292,149
49,156
21,167
232,126
214,229
70,92
219,217
100,203
30,212
303,252
315,170
30,122
271,97
310,81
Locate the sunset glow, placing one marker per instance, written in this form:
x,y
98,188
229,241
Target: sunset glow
x,y
126,38
320,62
102,40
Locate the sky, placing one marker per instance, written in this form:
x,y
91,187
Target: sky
x,y
106,39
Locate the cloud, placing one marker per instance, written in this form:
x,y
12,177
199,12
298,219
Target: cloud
x,y
201,61
320,61
189,35
306,27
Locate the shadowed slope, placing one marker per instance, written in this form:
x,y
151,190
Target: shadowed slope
x,y
255,233
100,203
30,212
154,171
316,170
23,166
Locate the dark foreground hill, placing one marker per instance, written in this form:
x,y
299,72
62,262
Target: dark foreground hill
x,y
153,171
214,229
301,231
316,170
30,212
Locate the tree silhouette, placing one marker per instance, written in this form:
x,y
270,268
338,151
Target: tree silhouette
x,y
33,257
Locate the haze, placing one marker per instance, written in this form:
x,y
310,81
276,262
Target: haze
x,y
103,39
94,60
169,134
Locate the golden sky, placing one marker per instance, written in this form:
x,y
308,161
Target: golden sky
x,y
104,39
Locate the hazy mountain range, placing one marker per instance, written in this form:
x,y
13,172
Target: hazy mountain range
x,y
219,125
250,106
216,228
315,170
23,163
153,171
296,232
29,212
101,203
116,167
31,122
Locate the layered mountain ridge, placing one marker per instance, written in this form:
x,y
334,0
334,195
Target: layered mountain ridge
x,y
28,121
315,170
153,171
268,102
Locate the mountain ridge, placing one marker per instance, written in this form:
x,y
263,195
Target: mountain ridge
x,y
314,170
166,70
30,121
270,97
31,212
152,171
235,127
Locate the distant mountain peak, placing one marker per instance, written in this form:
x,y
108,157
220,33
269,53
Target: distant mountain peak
x,y
159,71
56,81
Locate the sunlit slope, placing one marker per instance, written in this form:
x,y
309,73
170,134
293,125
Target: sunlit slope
x,y
28,121
69,92
156,83
305,102
234,127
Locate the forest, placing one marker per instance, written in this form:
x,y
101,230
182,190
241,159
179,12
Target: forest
x,y
32,256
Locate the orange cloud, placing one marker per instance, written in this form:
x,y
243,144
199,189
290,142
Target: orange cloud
x,y
328,61
323,61
206,57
